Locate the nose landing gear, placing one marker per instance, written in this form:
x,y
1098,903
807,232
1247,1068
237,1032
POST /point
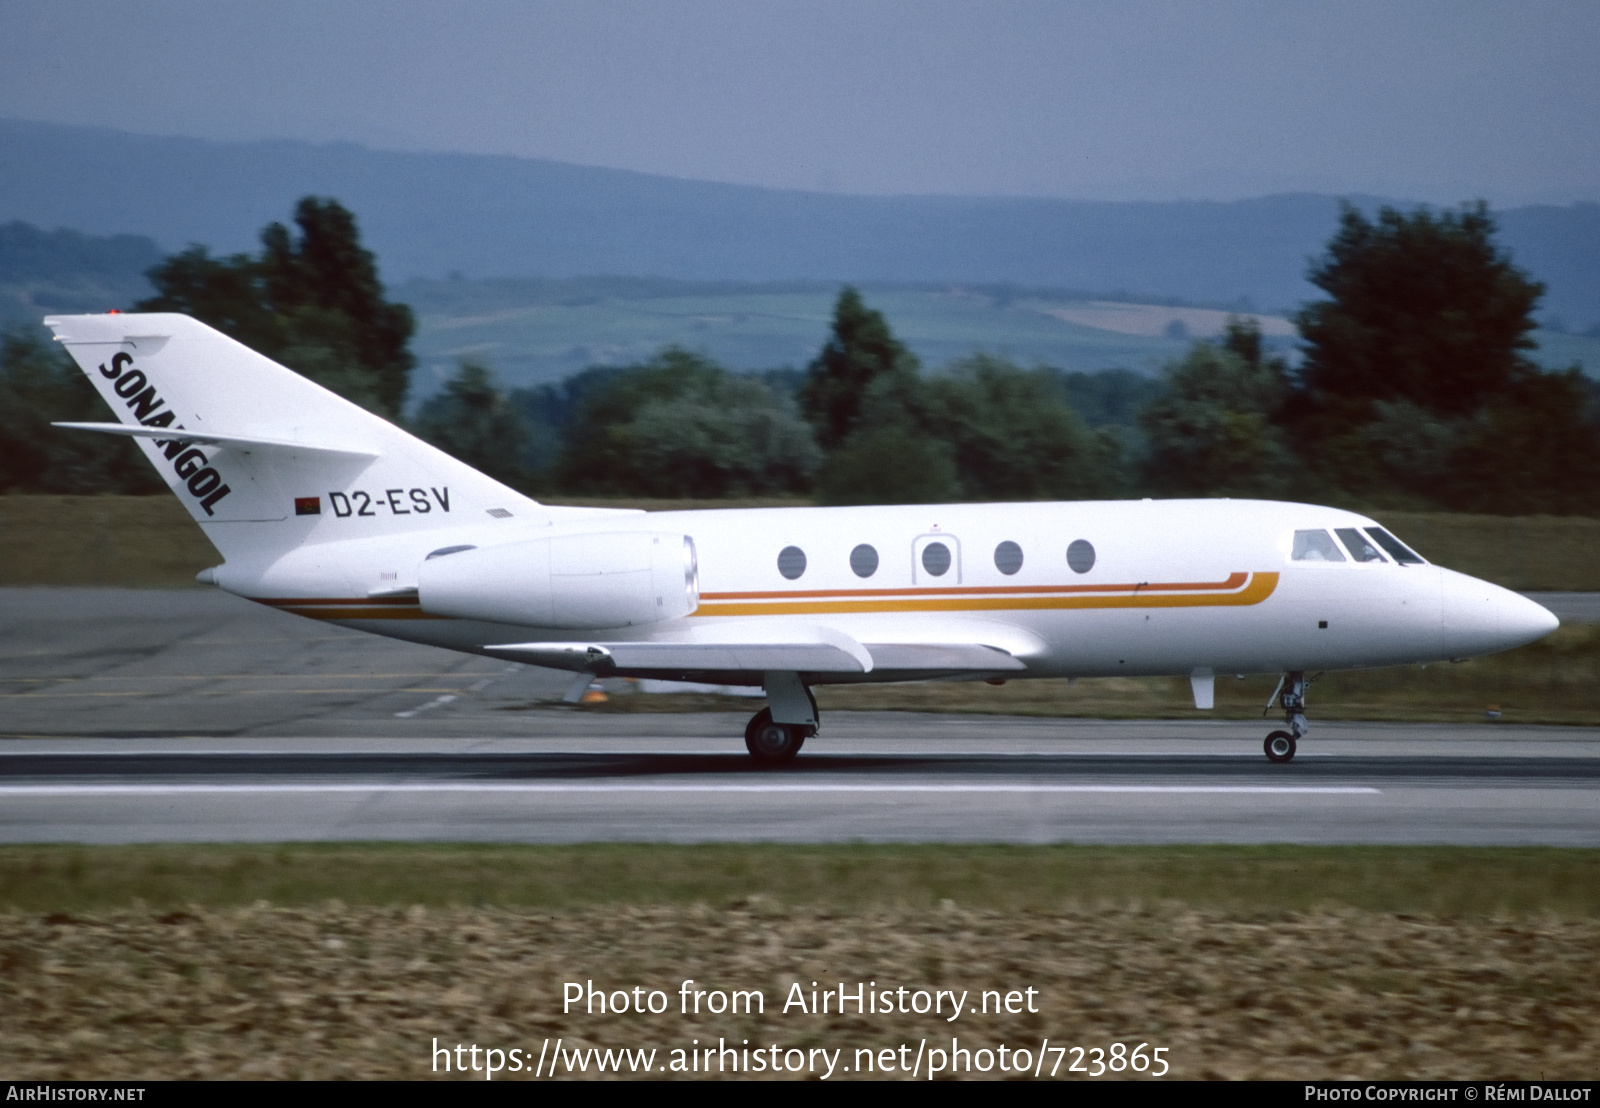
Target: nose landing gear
x,y
1280,745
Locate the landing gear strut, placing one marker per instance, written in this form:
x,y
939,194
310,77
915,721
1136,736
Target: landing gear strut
x,y
1280,745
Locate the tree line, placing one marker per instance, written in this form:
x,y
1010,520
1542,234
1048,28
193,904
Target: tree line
x,y
1414,391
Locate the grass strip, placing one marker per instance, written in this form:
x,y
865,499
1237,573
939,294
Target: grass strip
x,y
1268,881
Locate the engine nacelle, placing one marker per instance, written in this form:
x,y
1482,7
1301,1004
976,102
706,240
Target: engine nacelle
x,y
581,582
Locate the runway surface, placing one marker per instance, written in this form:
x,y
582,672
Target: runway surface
x,y
137,716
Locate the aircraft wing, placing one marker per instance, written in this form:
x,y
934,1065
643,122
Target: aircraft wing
x,y
696,660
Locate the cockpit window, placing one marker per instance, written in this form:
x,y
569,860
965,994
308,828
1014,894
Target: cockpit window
x,y
1397,549
1360,549
1315,546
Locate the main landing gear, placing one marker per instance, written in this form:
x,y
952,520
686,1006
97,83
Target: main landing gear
x,y
771,742
1280,745
775,734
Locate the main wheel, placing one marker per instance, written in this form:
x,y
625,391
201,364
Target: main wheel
x,y
772,742
1279,747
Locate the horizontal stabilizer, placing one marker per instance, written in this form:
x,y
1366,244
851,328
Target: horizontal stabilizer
x,y
212,438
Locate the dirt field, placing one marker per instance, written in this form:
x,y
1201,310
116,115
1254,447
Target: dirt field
x,y
364,993
1280,962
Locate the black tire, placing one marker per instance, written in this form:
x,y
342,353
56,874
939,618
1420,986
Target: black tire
x,y
773,743
1279,747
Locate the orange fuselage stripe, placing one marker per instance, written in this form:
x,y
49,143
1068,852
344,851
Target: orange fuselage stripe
x,y
1261,586
1233,582
1257,587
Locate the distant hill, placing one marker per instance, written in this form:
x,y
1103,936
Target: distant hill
x,y
532,331
44,272
426,215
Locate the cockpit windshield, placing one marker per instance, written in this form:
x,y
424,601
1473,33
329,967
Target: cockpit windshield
x,y
1355,542
1397,549
1315,546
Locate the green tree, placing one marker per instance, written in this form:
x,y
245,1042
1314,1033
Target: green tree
x,y
1416,388
1537,449
983,429
1424,308
1214,431
1012,435
474,421
889,463
681,426
312,302
326,284
1108,397
860,350
39,383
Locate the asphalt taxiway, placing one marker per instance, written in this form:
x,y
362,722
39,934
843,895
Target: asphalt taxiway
x,y
141,716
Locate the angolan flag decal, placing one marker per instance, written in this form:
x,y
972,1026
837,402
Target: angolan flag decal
x,y
308,505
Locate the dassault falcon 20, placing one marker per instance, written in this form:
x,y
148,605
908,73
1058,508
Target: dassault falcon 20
x,y
322,509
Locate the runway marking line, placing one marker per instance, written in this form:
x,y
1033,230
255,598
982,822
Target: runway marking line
x,y
496,787
436,702
256,676
210,692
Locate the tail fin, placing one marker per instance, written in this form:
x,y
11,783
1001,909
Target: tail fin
x,y
264,459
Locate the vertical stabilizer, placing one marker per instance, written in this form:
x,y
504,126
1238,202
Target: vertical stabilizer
x,y
263,459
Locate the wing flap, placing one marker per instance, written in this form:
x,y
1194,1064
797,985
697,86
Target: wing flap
x,y
955,657
645,658
679,657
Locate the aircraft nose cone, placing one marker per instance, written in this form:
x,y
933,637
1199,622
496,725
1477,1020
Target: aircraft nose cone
x,y
1529,620
1480,618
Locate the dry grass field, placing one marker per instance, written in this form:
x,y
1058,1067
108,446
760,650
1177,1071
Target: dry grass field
x,y
1244,962
125,541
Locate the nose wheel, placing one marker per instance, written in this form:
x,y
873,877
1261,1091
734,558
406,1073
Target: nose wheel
x,y
1279,747
772,743
1280,744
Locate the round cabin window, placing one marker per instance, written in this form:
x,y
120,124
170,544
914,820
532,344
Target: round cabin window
x,y
1008,558
864,561
936,558
1080,556
791,562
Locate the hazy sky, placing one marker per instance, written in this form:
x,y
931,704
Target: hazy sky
x,y
1428,100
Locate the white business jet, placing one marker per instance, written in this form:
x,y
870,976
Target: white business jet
x,y
324,510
